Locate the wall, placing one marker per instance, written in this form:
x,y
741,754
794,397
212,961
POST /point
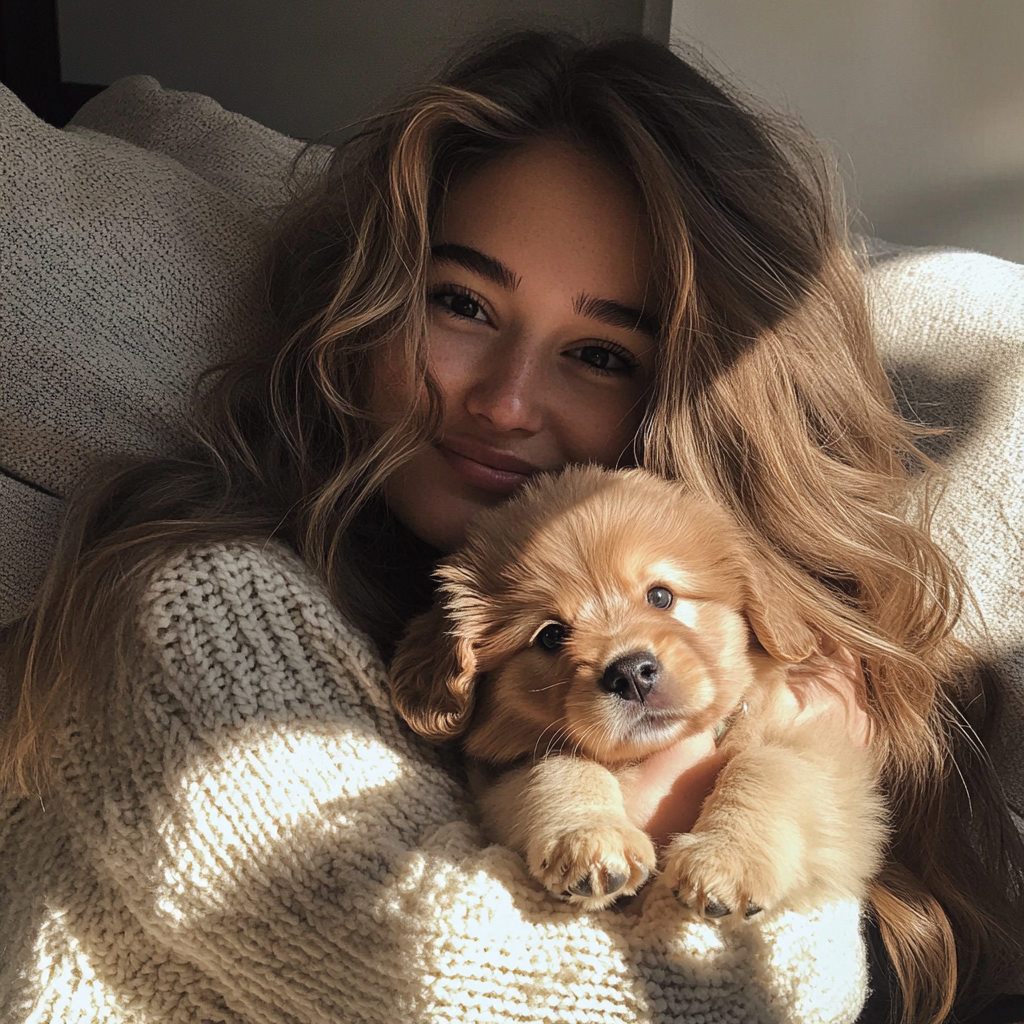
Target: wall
x,y
301,66
924,100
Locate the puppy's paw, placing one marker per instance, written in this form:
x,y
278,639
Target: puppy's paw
x,y
593,866
717,876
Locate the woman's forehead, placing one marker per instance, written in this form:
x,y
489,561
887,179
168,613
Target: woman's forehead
x,y
545,174
549,211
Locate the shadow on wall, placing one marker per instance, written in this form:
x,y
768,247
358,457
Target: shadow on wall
x,y
306,67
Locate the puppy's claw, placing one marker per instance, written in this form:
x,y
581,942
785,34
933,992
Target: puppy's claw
x,y
715,908
582,887
709,907
613,882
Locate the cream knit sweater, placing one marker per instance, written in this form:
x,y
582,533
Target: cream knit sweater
x,y
261,840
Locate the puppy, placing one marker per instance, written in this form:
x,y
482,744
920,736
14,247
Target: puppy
x,y
599,617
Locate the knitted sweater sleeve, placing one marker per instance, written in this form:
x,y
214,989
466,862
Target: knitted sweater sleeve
x,y
263,821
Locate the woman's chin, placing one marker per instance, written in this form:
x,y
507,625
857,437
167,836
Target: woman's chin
x,y
429,499
442,523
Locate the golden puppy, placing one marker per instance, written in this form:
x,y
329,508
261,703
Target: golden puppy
x,y
596,618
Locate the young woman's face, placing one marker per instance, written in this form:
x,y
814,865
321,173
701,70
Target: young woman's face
x,y
538,335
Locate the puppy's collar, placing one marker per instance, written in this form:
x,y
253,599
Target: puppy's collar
x,y
726,723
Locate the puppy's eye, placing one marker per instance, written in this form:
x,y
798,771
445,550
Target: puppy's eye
x,y
552,636
660,597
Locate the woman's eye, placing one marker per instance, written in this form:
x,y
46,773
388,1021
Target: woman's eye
x,y
459,304
660,597
607,359
552,636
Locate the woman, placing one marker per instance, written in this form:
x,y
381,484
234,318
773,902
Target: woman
x,y
555,253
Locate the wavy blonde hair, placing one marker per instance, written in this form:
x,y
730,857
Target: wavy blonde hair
x,y
769,398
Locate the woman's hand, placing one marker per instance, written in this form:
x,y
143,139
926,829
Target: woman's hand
x,y
664,795
831,684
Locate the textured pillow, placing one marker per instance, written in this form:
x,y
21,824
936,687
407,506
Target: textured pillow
x,y
130,261
950,326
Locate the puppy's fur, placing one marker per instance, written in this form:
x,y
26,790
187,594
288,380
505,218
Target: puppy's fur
x,y
553,719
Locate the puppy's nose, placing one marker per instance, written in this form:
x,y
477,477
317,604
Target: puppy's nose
x,y
632,676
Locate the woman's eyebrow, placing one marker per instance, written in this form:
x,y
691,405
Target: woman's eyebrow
x,y
615,314
607,311
477,262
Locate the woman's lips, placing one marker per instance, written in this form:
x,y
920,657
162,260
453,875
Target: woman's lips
x,y
486,469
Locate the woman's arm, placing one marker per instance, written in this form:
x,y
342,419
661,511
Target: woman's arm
x,y
286,851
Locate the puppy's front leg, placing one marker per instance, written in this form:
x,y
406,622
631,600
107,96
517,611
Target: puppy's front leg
x,y
566,817
788,823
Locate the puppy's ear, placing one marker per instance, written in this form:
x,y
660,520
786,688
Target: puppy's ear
x,y
433,677
775,617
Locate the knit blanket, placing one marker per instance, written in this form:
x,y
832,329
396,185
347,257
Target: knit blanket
x,y
260,839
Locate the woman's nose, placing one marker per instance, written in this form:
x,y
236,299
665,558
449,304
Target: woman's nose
x,y
508,391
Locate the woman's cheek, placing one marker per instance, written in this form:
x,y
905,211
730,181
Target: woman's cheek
x,y
602,429
391,387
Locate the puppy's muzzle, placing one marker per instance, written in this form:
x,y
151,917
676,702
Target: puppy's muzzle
x,y
631,677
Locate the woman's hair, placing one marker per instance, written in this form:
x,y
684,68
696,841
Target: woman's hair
x,y
768,397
